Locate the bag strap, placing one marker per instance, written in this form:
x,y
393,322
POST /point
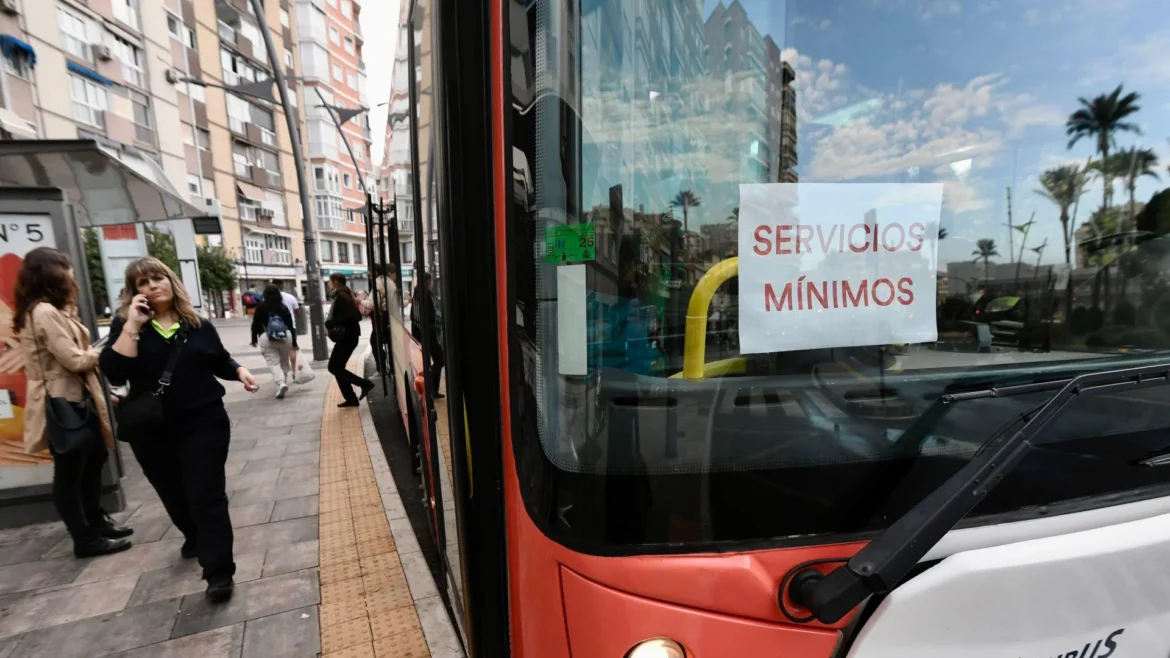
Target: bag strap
x,y
173,360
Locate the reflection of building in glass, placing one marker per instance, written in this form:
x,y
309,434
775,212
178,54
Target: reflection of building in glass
x,y
787,123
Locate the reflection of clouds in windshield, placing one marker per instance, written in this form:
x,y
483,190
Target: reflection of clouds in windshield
x,y
1142,61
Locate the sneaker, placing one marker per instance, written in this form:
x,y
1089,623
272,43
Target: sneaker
x,y
281,390
97,545
189,551
220,589
108,529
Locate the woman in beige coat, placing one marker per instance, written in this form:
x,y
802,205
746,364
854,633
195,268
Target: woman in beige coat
x,y
61,362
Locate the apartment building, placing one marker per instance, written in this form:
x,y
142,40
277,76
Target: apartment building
x,y
333,73
395,173
237,155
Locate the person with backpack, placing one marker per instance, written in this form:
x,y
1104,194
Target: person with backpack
x,y
272,331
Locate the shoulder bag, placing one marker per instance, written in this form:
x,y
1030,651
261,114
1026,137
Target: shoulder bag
x,y
142,413
73,427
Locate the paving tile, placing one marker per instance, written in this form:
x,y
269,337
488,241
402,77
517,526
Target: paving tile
x,y
295,508
292,634
404,537
252,600
394,622
240,442
8,646
226,641
404,645
139,559
29,532
254,514
437,628
291,557
32,549
273,492
99,636
356,651
302,447
298,473
271,535
187,578
342,611
36,575
256,453
418,576
248,480
336,637
40,609
299,459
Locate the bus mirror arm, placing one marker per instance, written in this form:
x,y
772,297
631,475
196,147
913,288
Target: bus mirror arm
x,y
885,562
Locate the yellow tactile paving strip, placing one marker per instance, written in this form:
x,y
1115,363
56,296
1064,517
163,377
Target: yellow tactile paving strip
x,y
366,607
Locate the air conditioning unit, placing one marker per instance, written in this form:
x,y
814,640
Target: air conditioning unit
x,y
212,207
102,52
9,7
265,213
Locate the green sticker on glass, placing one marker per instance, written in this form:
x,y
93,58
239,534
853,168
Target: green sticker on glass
x,y
570,243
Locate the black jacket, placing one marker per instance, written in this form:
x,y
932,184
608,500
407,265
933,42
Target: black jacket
x,y
194,387
345,313
260,321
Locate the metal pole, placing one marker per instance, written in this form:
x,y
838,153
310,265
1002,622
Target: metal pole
x,y
312,267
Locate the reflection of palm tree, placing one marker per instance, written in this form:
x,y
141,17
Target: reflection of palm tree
x,y
1111,168
1101,118
1024,228
734,216
985,249
1064,187
942,233
1137,163
686,200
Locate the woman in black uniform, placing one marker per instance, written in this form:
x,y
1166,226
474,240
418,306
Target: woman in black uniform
x,y
185,462
344,326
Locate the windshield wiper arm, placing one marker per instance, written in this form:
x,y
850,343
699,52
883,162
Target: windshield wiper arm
x,y
885,561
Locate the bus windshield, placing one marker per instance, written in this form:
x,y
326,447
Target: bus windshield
x,y
715,348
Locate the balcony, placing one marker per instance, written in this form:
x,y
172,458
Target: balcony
x,y
331,223
238,126
243,170
267,137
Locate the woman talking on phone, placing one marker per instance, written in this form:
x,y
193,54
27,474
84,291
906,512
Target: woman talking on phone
x,y
177,425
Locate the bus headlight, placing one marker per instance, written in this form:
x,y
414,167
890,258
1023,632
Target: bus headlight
x,y
659,647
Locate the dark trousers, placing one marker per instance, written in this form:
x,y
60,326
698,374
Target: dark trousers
x,y
338,359
185,467
77,488
438,360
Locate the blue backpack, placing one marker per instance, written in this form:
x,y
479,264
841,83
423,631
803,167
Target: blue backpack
x,y
277,330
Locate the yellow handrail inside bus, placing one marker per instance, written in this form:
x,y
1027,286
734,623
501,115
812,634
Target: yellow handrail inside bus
x,y
695,340
722,368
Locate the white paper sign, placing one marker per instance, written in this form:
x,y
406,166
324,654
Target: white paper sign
x,y
837,265
6,406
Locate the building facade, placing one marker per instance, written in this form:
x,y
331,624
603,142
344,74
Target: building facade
x,y
333,73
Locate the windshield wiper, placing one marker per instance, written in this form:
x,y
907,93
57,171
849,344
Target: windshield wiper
x,y
884,562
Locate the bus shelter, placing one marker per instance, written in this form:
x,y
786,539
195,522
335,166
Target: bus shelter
x,y
49,192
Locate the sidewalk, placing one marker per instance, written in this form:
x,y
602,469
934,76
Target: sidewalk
x,y
148,601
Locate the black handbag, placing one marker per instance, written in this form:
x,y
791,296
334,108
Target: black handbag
x,y
142,413
73,427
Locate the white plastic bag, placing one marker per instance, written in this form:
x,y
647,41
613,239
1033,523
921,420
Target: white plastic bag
x,y
304,372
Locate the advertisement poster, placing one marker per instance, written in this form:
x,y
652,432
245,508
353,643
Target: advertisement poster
x,y
19,234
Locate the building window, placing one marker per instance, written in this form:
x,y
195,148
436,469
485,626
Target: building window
x,y
325,179
349,48
343,252
239,113
347,180
326,250
202,139
253,249
280,247
74,34
18,65
329,211
408,251
346,9
284,22
179,31
338,73
131,58
90,101
334,36
357,254
242,159
193,185
288,58
127,12
351,80
248,208
143,126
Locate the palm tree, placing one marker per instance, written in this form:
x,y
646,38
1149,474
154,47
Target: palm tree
x,y
942,233
1138,163
1063,186
686,200
1111,168
1024,229
1101,117
734,216
985,249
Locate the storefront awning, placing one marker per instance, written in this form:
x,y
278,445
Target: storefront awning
x,y
251,192
347,271
102,190
11,47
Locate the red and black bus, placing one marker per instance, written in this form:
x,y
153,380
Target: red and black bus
x,y
614,472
